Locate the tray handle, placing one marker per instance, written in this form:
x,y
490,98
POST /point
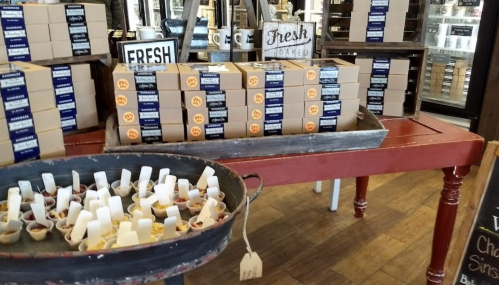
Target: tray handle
x,y
260,186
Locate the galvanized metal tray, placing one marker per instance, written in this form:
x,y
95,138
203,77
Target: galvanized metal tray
x,y
370,133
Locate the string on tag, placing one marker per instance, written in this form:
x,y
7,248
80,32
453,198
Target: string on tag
x,y
246,214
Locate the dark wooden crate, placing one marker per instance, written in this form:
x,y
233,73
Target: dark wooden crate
x,y
416,53
338,16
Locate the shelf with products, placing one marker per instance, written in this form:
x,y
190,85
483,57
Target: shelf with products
x,y
450,49
468,18
443,99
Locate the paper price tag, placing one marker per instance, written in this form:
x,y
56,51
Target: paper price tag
x,y
250,267
76,181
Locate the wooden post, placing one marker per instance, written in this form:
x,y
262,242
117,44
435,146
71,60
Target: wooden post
x,y
251,14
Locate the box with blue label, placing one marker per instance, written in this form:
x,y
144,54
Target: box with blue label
x,y
26,52
380,94
216,98
34,101
377,19
270,74
209,76
383,65
144,77
327,92
390,81
24,34
77,31
150,116
327,71
136,99
376,34
331,108
269,96
216,131
77,89
217,115
48,144
274,128
25,14
29,123
152,134
330,124
80,47
381,6
275,112
391,109
76,13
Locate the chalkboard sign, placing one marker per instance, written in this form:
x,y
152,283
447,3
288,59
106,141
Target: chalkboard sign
x,y
475,259
469,3
464,31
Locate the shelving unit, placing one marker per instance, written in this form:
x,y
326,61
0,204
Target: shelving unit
x,y
452,90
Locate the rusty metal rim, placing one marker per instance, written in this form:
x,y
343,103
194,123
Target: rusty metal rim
x,y
137,247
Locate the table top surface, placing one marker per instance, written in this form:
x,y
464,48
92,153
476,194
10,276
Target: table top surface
x,y
425,143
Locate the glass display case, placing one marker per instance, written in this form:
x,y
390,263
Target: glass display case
x,y
451,38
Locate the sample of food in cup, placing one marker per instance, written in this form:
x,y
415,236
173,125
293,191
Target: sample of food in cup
x,y
38,228
58,216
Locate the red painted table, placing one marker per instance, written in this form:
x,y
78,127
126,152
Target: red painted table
x,y
410,145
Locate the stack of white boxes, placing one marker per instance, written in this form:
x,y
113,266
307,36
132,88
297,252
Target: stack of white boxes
x,y
75,96
214,99
378,20
274,97
331,95
78,29
25,33
149,103
30,126
383,83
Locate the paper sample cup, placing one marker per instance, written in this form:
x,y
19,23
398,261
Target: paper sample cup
x,y
39,234
116,186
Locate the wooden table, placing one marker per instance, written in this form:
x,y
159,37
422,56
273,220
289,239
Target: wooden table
x,y
411,145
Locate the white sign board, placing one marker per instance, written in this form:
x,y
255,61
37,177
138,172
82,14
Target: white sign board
x,y
149,51
288,40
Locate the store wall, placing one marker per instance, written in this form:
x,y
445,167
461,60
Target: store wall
x,y
489,116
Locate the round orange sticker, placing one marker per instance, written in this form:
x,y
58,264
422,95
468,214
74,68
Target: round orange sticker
x,y
196,101
128,117
122,84
310,126
192,81
311,75
253,81
121,100
198,119
132,134
311,93
256,114
258,98
313,110
195,131
254,128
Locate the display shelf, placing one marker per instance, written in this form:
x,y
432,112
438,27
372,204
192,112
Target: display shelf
x,y
215,49
454,18
105,58
442,100
451,49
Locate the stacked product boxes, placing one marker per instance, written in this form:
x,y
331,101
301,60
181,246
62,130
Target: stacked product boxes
x,y
149,103
383,83
75,96
41,32
378,20
208,101
30,126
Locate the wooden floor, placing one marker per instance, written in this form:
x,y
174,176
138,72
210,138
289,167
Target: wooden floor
x,y
301,242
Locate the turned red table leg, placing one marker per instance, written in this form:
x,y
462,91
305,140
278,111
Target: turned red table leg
x,y
360,202
444,224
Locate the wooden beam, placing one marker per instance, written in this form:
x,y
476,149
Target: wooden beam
x,y
265,8
251,14
193,7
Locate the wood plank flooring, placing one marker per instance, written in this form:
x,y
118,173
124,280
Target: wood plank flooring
x,y
301,242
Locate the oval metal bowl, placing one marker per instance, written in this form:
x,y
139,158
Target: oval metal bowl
x,y
51,262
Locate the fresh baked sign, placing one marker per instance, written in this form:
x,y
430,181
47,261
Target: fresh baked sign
x,y
288,40
149,51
